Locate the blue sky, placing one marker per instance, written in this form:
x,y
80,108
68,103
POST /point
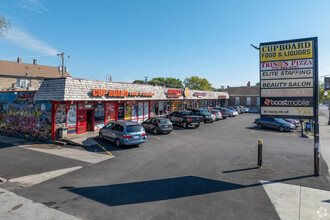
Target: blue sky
x,y
169,38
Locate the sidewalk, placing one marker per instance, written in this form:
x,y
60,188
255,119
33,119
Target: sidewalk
x,y
14,140
325,139
86,139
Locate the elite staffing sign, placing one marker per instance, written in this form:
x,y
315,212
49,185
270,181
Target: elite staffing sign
x,y
288,78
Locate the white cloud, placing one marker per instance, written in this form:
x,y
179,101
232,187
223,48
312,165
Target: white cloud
x,y
27,41
32,5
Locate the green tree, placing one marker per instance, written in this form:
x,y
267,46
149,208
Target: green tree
x,y
138,81
258,84
168,82
195,82
4,25
321,93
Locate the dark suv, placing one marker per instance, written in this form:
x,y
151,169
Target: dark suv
x,y
224,111
207,116
158,125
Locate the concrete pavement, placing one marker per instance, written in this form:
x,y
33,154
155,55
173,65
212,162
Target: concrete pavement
x,y
325,134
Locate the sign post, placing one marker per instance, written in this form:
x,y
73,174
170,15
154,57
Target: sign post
x,y
289,83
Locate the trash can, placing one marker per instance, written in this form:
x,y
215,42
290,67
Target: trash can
x,y
308,126
63,132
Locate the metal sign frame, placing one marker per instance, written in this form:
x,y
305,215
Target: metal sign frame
x,y
313,113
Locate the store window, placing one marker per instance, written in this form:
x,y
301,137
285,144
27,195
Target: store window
x,y
121,112
99,116
236,100
248,100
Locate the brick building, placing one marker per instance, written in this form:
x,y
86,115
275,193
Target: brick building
x,y
248,96
18,76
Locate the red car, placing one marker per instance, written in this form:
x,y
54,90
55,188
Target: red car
x,y
296,122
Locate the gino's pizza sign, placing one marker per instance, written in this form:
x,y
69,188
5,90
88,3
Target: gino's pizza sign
x,y
119,93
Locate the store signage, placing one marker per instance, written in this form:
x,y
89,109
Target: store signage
x,y
288,101
287,112
119,93
174,93
307,92
326,83
286,51
85,106
222,97
287,64
288,78
280,74
199,94
186,92
287,83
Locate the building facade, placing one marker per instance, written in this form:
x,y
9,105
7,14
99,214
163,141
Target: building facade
x,y
87,105
248,96
19,76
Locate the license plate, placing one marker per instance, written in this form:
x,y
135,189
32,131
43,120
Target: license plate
x,y
136,136
166,126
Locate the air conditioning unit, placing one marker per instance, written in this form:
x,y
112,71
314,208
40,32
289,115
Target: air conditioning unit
x,y
29,88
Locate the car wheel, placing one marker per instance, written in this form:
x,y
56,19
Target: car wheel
x,y
281,129
117,142
101,136
259,125
184,125
155,131
196,126
224,118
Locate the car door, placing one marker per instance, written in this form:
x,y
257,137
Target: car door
x,y
107,131
147,124
173,117
153,124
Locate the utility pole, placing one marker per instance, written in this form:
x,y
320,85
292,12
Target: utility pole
x,y
62,56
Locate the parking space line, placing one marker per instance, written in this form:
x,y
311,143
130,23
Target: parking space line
x,y
155,137
172,132
269,132
104,149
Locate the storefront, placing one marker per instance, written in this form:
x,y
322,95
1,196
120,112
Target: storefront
x,y
87,105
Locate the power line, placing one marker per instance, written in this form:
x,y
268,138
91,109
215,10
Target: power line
x,y
14,58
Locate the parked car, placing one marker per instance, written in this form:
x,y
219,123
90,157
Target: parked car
x,y
123,133
185,118
233,112
274,123
238,109
207,117
217,114
296,122
244,109
224,112
158,125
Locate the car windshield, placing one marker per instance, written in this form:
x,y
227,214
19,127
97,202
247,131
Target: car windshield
x,y
216,111
134,128
204,112
164,121
280,120
186,113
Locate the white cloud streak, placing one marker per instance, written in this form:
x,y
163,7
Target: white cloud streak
x,y
32,5
27,41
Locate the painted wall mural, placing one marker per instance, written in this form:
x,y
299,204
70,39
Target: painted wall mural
x,y
21,116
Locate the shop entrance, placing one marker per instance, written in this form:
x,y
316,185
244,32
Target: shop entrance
x,y
89,120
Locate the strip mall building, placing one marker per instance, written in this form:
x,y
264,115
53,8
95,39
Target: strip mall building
x,y
87,105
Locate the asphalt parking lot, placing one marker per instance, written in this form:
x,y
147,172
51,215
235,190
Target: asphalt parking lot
x,y
204,173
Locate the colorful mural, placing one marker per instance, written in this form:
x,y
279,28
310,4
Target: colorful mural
x,y
21,116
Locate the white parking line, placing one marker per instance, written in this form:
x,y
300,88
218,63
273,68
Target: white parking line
x,y
34,179
81,155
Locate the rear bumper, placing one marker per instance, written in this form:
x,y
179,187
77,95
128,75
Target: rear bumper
x,y
133,142
164,130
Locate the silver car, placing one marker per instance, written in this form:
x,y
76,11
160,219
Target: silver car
x,y
123,133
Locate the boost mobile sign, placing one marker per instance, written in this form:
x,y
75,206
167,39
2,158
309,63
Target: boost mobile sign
x,y
289,78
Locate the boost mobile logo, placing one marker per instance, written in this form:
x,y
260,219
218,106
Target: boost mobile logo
x,y
298,102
